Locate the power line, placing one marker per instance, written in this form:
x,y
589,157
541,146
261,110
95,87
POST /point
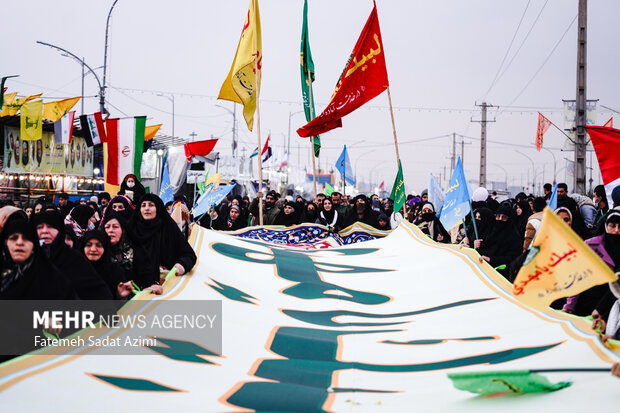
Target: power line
x,y
524,40
507,50
545,61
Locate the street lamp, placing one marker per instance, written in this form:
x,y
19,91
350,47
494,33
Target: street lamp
x,y
505,172
357,159
234,127
171,99
105,59
102,85
554,164
288,146
83,63
533,170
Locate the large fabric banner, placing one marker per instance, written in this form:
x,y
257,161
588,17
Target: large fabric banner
x,y
373,326
45,156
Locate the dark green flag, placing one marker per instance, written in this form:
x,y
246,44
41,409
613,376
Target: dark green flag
x,y
2,89
398,190
307,77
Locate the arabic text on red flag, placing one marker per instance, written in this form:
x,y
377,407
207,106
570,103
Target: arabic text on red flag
x,y
364,77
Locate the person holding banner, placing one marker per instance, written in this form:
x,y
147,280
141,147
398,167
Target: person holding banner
x,y
503,244
134,259
153,228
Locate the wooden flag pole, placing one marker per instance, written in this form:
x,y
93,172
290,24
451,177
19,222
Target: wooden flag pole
x,y
260,146
312,137
395,138
393,124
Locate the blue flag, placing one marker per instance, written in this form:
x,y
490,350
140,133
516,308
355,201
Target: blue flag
x,y
456,203
211,198
553,200
165,190
343,165
435,195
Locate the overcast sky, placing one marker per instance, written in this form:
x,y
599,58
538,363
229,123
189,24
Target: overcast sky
x,y
442,57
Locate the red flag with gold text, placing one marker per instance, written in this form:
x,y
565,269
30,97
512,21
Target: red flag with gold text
x,y
543,125
364,77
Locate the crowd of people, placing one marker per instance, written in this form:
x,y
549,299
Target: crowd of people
x,y
102,248
107,247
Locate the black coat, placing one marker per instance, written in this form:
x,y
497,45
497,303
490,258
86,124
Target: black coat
x,y
136,264
368,218
502,245
161,237
41,281
84,278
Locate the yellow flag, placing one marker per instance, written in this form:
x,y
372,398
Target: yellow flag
x,y
242,85
213,182
13,107
8,99
150,131
32,121
558,265
57,109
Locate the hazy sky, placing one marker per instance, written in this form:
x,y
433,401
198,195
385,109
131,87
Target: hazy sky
x,y
442,57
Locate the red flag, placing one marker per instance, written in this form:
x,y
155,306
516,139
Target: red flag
x,y
610,123
543,125
606,142
200,148
382,186
364,77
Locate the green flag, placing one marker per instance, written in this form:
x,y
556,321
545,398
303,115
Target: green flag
x,y
6,77
398,190
202,185
329,190
491,382
307,77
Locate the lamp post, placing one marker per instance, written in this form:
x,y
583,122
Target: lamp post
x,y
171,99
533,169
234,127
83,63
554,164
105,60
506,175
288,146
357,159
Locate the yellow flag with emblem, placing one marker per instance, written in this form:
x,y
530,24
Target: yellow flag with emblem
x,y
558,265
12,108
242,84
8,99
32,121
55,110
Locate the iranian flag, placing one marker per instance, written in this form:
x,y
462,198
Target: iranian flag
x,y
125,142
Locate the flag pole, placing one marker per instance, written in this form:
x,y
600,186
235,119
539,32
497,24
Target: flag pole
x,y
395,138
312,137
260,146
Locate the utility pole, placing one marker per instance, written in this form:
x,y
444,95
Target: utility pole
x,y
193,135
483,142
580,115
452,160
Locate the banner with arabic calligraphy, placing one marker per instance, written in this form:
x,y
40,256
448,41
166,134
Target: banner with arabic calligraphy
x,y
364,77
558,265
374,326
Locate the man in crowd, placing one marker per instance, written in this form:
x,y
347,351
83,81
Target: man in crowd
x,y
270,211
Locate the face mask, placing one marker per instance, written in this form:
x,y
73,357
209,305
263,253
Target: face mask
x,y
131,184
